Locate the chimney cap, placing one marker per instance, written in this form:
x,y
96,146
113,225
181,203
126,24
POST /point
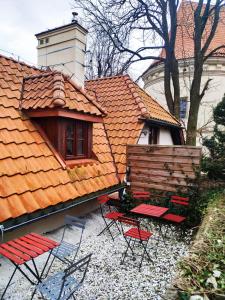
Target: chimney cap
x,y
74,14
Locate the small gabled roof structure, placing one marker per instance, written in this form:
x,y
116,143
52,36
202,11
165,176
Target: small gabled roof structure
x,y
54,89
33,178
127,106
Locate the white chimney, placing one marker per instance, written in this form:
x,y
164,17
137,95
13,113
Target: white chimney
x,y
63,48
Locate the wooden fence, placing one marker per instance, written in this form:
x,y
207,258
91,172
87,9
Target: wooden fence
x,y
165,168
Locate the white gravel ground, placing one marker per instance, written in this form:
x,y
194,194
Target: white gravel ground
x,y
106,278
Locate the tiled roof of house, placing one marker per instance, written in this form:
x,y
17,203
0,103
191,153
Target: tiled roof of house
x,y
125,103
31,176
53,89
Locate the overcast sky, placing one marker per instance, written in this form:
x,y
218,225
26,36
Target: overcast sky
x,y
20,20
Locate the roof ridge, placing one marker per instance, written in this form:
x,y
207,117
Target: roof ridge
x,y
141,105
58,90
21,62
89,97
107,77
45,74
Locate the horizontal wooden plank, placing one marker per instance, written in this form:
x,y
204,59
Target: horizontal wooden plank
x,y
162,166
193,152
173,174
168,159
165,146
158,179
147,186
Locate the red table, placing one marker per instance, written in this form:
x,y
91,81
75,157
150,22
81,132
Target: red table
x,y
153,211
24,249
150,210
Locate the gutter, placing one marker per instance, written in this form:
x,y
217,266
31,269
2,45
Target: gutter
x,y
162,123
77,202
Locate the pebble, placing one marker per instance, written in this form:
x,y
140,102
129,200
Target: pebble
x,y
107,279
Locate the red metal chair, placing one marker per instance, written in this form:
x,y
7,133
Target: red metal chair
x,y
135,236
111,216
176,219
140,195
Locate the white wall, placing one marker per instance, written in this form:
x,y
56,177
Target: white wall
x,y
164,136
64,51
214,69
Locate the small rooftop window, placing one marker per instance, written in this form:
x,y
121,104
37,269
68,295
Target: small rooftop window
x,y
183,107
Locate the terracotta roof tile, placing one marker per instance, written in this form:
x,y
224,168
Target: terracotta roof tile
x,y
31,177
184,47
125,102
54,89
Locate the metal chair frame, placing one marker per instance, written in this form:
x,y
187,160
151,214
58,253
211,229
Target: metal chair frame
x,y
65,250
135,235
175,219
112,215
62,285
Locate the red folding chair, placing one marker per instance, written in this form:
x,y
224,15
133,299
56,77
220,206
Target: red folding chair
x,y
135,236
176,219
140,195
112,215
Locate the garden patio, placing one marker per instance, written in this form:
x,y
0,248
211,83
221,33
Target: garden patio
x,y
106,278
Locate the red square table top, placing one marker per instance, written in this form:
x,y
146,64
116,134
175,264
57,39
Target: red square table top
x,y
27,247
150,210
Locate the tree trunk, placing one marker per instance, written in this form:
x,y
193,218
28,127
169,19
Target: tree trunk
x,y
195,99
193,119
176,87
167,88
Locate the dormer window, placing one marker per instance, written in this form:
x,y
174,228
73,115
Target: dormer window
x,y
76,137
63,113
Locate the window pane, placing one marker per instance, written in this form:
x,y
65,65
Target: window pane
x,y
183,107
80,147
81,138
70,139
69,147
80,131
69,131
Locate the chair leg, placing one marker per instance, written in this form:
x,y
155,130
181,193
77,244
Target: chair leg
x,y
50,266
147,254
107,227
32,296
125,253
9,282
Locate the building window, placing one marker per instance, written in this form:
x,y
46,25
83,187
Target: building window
x,y
183,107
41,42
76,139
71,138
153,135
46,40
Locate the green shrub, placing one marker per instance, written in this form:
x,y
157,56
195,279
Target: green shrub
x,y
214,162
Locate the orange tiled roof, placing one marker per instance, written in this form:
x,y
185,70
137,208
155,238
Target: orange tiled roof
x,y
31,176
49,90
125,103
184,47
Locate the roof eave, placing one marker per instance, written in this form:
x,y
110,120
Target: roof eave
x,y
161,122
13,224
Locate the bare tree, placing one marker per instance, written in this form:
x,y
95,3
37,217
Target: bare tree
x,y
103,59
141,27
